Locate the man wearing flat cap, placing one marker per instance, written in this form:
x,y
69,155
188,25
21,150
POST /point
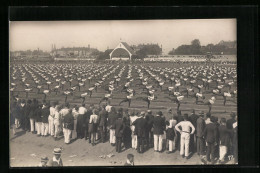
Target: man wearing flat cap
x,y
56,160
140,125
159,126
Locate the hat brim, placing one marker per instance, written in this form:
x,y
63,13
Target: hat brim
x,y
56,153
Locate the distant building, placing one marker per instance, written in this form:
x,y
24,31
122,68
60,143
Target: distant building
x,y
75,52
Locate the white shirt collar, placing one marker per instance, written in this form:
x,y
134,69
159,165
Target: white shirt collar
x,y
127,161
55,160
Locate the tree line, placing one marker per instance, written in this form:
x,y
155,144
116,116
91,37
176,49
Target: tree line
x,y
226,48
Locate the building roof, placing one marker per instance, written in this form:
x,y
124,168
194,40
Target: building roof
x,y
128,48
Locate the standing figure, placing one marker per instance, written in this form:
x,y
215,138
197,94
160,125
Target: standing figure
x,y
119,131
185,135
211,137
140,127
159,126
56,160
93,124
68,123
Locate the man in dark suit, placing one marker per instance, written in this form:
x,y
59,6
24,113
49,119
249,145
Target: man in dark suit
x,y
103,123
193,119
199,133
229,124
159,127
27,110
140,126
86,118
178,136
119,131
210,135
231,121
224,139
149,133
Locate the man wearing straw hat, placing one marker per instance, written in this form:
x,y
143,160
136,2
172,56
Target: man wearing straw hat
x,y
56,160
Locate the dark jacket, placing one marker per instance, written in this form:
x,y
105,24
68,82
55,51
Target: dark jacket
x,y
149,118
224,135
68,121
20,112
119,127
200,127
230,123
103,118
112,117
140,126
32,113
170,134
193,119
27,110
211,133
45,114
158,125
38,113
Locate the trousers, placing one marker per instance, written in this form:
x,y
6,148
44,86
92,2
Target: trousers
x,y
51,125
103,133
56,129
32,124
38,127
140,144
45,129
222,152
185,143
171,142
210,151
158,141
118,144
67,133
17,123
112,138
134,138
200,146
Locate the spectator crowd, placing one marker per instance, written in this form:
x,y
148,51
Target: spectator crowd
x,y
213,139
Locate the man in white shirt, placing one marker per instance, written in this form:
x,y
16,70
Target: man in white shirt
x,y
51,119
185,135
82,109
133,117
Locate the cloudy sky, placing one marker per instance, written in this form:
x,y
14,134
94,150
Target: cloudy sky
x,y
102,34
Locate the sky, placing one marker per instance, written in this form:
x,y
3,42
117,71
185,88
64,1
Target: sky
x,y
25,35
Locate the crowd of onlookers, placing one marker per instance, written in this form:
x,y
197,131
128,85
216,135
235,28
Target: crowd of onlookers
x,y
213,139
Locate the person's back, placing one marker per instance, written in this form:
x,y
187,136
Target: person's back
x,y
193,119
200,127
45,114
210,133
185,126
158,125
224,135
103,118
140,125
